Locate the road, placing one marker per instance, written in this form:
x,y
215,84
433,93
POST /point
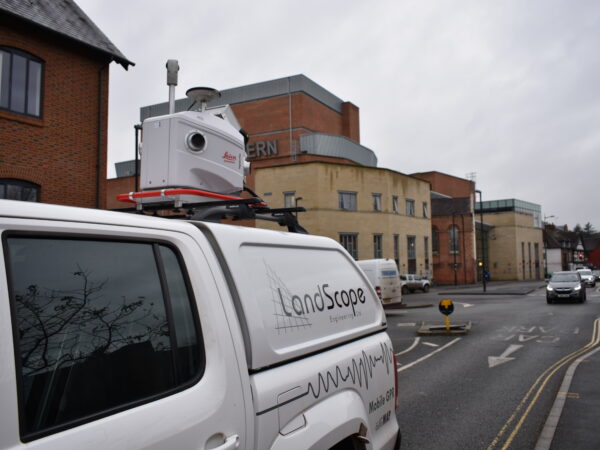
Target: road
x,y
492,388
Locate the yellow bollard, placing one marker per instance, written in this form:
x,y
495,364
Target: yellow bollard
x,y
446,307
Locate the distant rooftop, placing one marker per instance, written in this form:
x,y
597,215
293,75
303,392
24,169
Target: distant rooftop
x,y
252,92
66,18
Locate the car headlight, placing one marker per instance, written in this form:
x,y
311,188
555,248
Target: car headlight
x,y
578,287
549,288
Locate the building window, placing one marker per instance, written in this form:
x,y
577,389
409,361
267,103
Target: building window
x,y
376,202
411,253
435,241
454,239
91,341
410,207
350,242
426,250
19,190
20,82
289,199
377,247
397,250
395,203
425,209
347,200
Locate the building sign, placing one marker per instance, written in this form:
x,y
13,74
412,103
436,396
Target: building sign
x,y
261,148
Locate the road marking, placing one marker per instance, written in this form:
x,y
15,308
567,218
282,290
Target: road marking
x,y
406,324
547,433
431,344
576,331
494,361
414,344
525,337
569,395
466,305
423,358
540,383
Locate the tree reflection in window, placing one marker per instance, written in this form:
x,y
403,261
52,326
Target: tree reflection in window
x,y
93,330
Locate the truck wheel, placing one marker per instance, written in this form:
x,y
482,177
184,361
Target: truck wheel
x,y
404,290
398,441
426,288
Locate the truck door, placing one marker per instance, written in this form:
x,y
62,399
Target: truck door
x,y
120,341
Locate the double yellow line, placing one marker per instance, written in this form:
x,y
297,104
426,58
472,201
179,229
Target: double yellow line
x,y
526,405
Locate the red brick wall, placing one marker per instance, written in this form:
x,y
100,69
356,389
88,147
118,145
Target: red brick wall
x,y
447,184
443,261
60,150
269,119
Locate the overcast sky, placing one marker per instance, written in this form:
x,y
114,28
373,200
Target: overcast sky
x,y
508,89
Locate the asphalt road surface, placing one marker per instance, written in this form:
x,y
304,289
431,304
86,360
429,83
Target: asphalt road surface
x,y
493,387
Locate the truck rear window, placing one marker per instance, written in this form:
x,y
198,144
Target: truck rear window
x,y
99,326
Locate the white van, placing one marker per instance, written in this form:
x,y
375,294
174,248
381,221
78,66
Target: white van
x,y
127,331
383,275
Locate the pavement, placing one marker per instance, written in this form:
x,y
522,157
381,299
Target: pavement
x,y
492,288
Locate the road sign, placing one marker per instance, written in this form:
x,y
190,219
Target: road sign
x,y
446,306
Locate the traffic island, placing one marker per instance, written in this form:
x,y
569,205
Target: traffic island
x,y
446,307
441,329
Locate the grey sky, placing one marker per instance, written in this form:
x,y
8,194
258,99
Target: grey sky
x,y
507,89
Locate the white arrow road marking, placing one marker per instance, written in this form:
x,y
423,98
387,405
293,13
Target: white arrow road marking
x,y
494,361
466,305
429,355
414,344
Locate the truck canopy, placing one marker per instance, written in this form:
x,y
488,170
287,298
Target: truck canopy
x,y
296,294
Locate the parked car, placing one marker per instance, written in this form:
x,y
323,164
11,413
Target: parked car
x,y
596,274
124,331
413,282
383,275
567,286
587,276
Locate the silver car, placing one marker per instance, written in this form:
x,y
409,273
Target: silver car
x,y
587,276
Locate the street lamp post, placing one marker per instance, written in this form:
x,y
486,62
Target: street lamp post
x,y
544,234
482,239
453,242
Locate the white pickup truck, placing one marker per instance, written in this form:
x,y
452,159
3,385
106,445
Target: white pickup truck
x,y
124,331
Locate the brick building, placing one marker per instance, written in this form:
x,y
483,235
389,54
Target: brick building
x,y
53,103
453,228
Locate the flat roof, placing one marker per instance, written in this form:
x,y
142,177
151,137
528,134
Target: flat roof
x,y
252,92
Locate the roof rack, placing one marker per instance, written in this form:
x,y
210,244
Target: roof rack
x,y
186,203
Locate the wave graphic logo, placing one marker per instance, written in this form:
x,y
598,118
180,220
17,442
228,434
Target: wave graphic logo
x,y
358,371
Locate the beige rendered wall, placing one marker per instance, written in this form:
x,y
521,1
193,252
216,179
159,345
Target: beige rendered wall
x,y
512,233
319,183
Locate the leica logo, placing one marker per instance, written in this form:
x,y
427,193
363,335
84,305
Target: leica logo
x,y
229,158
